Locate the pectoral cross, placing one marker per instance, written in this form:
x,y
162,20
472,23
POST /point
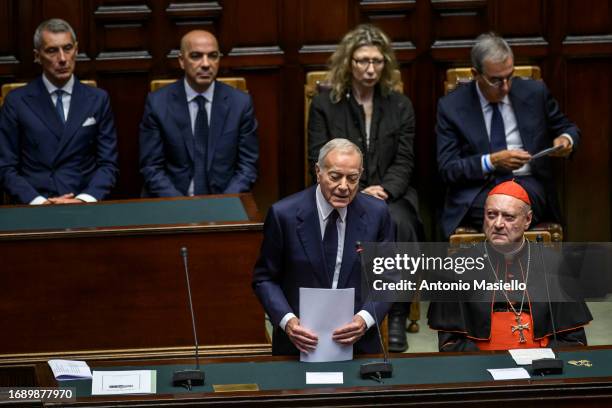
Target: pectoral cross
x,y
520,327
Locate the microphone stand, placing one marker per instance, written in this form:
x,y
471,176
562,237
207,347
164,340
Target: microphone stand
x,y
374,370
189,377
545,366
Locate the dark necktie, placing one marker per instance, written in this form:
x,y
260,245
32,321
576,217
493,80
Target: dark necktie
x,y
330,244
200,178
498,141
498,132
59,106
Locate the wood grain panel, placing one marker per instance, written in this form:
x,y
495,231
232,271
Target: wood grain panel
x,y
252,24
264,87
588,17
135,297
464,20
396,18
324,21
587,195
127,90
532,22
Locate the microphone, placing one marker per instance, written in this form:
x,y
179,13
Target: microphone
x,y
189,377
374,370
546,366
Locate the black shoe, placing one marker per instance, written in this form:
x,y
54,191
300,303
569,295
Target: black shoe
x,y
397,334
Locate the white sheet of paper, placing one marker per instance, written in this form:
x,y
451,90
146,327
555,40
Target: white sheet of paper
x,y
526,356
545,152
324,378
124,382
65,370
516,373
323,311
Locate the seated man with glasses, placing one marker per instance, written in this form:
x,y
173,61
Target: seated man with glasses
x,y
197,135
488,131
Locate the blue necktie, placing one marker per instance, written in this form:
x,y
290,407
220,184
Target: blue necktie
x,y
498,141
200,179
59,105
498,132
330,244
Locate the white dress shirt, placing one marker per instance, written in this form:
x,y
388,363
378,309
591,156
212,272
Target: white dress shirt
x,y
513,137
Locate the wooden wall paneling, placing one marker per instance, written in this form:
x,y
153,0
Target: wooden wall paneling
x,y
9,47
458,20
589,98
589,17
292,76
252,24
325,22
395,18
121,35
127,93
531,23
264,87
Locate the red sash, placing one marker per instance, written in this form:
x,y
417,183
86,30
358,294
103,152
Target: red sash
x,y
502,337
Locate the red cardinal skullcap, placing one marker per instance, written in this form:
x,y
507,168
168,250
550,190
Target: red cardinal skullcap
x,y
513,189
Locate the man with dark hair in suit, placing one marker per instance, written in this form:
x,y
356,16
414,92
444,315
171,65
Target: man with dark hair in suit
x,y
487,132
57,136
198,135
296,251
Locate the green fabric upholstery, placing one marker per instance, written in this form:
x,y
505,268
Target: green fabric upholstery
x,y
132,213
421,370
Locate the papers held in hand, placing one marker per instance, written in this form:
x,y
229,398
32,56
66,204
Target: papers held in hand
x,y
546,152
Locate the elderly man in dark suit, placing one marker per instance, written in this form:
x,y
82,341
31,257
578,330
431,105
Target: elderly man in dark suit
x,y
296,251
57,136
198,135
487,132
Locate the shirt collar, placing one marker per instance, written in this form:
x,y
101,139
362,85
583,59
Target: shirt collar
x,y
52,88
191,93
325,208
484,102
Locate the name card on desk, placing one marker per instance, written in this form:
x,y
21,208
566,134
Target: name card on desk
x,y
124,382
324,377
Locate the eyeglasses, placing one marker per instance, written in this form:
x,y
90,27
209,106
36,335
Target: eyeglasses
x,y
364,63
497,82
212,56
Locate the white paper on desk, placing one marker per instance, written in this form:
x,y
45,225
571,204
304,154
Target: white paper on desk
x,y
323,311
65,370
526,356
124,382
517,373
313,377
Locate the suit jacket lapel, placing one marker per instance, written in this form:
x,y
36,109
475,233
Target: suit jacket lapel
x,y
80,104
309,233
41,105
471,113
220,109
354,231
179,111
